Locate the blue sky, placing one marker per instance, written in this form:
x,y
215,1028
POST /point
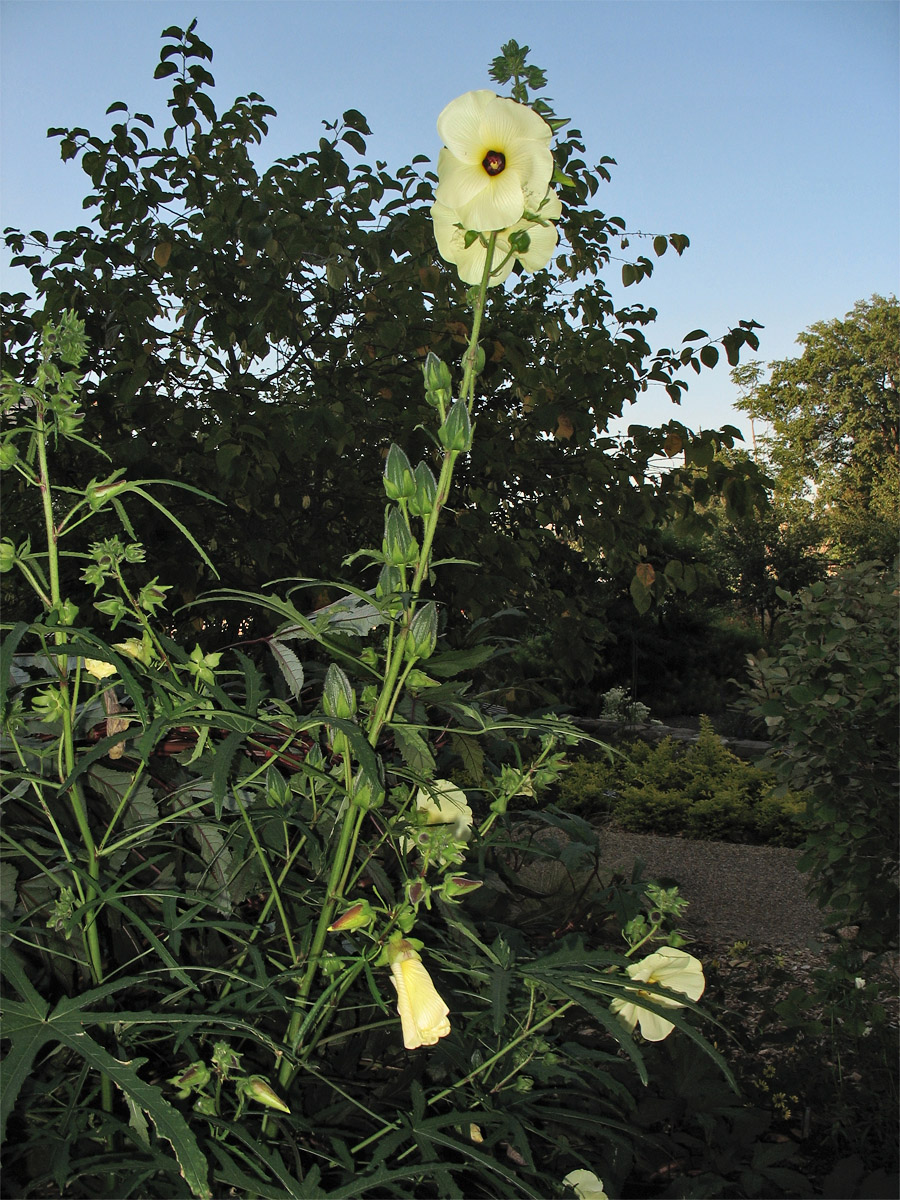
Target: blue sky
x,y
768,132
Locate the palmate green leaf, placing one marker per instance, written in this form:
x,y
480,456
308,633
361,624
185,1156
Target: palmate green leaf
x,y
27,1034
29,1028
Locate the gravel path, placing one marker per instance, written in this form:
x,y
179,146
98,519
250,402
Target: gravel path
x,y
736,893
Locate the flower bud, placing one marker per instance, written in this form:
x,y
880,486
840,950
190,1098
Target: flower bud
x,y
193,1079
338,698
258,1089
418,890
425,498
458,885
399,481
100,492
399,546
68,611
437,377
423,632
8,455
7,555
456,431
357,916
114,608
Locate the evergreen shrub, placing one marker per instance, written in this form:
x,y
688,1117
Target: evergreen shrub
x,y
701,790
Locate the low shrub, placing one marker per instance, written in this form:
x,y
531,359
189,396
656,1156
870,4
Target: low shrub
x,y
701,790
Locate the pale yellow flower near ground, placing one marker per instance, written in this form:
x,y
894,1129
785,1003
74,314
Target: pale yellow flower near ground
x,y
495,152
98,668
585,1185
443,803
670,968
423,1013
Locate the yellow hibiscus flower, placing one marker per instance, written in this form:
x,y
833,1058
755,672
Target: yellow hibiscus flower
x,y
586,1185
670,968
495,151
450,234
98,668
443,803
423,1014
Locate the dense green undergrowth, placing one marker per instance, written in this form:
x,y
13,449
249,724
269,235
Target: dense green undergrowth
x,y
701,790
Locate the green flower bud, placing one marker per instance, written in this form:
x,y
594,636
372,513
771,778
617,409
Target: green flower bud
x,y
193,1079
100,492
114,608
425,498
8,456
225,1060
437,375
456,431
458,885
417,892
68,611
7,555
366,793
258,1089
338,698
202,666
423,632
400,548
399,482
153,595
357,916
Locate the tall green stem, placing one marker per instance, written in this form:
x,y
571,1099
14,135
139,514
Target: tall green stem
x,y
387,698
90,932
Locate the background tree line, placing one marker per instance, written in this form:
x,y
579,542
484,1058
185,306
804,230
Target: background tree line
x,y
250,332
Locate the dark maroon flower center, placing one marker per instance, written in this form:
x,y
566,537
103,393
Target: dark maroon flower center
x,y
494,162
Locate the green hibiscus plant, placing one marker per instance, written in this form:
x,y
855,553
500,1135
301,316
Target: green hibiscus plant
x,y
248,945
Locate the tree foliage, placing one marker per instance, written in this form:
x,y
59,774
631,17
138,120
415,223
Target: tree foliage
x,y
834,414
250,330
829,700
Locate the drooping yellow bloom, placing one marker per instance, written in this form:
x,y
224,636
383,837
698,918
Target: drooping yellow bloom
x,y
586,1185
98,668
450,234
423,1014
443,803
670,968
495,153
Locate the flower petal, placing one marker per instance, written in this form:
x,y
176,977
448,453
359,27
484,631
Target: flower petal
x,y
423,1013
474,125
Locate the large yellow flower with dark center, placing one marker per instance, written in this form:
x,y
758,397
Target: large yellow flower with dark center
x,y
495,152
423,1014
670,968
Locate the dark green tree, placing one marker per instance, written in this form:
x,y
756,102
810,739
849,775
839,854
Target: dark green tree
x,y
834,428
260,333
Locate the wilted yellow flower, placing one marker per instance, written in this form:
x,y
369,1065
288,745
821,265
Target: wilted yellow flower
x,y
98,668
670,968
443,803
495,152
585,1185
450,234
423,1014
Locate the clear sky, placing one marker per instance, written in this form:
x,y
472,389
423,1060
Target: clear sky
x,y
768,131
